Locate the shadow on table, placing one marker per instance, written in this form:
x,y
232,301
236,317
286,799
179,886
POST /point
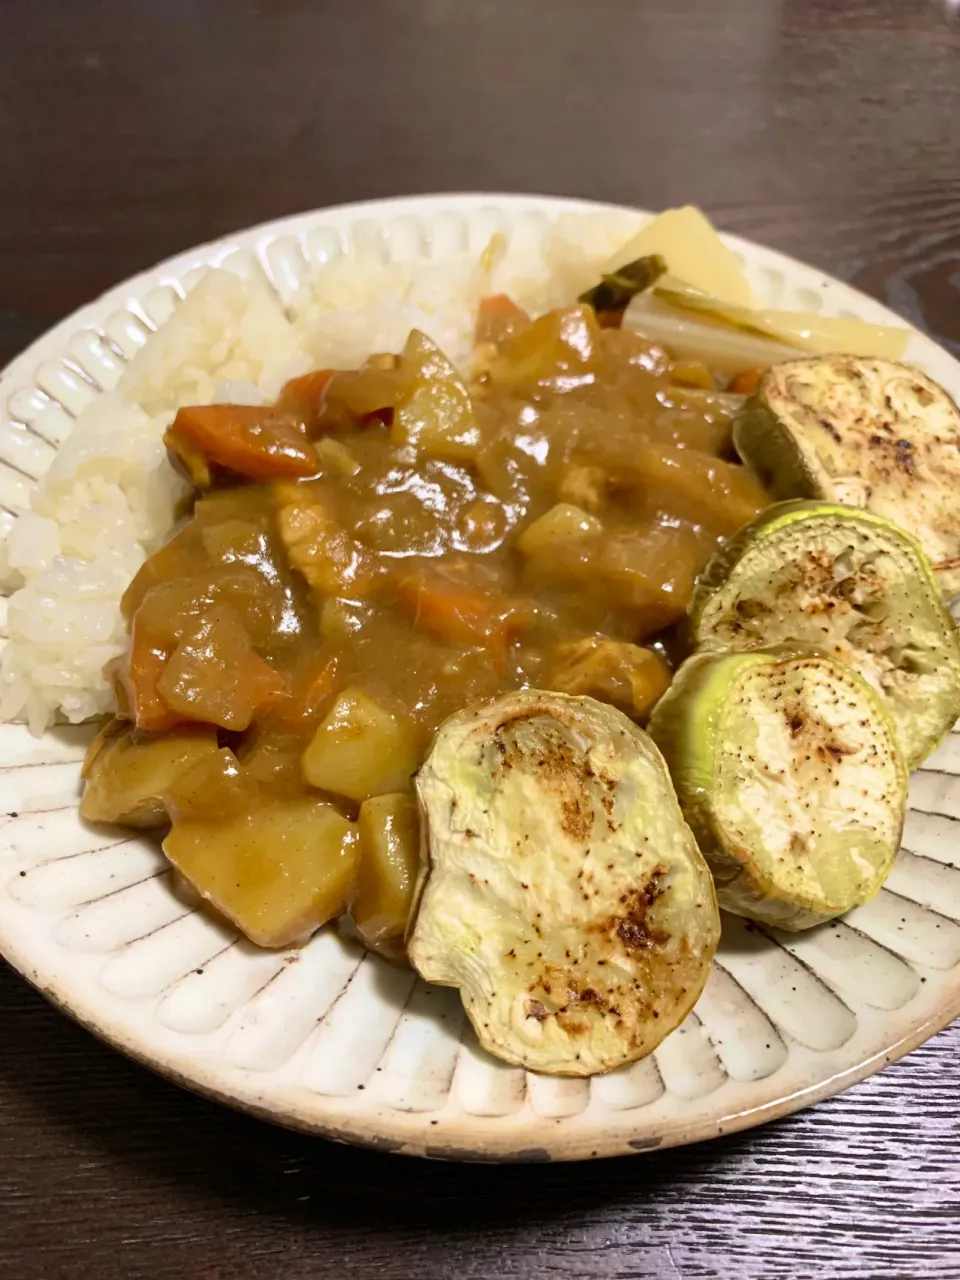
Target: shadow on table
x,y
72,1093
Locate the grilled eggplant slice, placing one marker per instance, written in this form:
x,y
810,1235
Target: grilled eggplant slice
x,y
868,433
561,890
849,583
789,773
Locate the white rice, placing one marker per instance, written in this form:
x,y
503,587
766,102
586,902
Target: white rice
x,y
109,497
226,329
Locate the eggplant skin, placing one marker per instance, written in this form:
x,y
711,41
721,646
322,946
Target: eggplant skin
x,y
560,889
788,771
867,433
847,582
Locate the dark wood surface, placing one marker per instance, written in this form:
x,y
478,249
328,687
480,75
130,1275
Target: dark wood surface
x,y
130,131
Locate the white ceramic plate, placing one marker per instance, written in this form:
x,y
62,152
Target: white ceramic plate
x,y
332,1040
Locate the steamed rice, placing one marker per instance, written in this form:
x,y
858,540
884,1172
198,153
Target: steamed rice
x,y
107,499
225,329
110,496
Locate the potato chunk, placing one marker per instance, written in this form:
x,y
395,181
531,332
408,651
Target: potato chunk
x,y
127,775
335,457
389,829
213,790
556,526
278,870
361,749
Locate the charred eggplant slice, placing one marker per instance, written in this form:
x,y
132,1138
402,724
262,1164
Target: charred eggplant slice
x,y
851,584
869,433
561,892
789,773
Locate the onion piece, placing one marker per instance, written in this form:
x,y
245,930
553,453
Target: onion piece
x,y
817,334
719,346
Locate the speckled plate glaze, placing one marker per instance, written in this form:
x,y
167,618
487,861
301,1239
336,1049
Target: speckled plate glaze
x,y
337,1042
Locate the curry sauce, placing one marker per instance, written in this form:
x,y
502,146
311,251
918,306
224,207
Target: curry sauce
x,y
382,548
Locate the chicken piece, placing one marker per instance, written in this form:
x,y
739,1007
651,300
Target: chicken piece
x,y
641,577
332,562
630,677
584,486
706,490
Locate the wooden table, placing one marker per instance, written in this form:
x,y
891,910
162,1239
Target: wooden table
x,y
127,132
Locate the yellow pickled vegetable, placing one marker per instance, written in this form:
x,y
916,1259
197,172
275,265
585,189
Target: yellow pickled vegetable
x,y
818,334
693,252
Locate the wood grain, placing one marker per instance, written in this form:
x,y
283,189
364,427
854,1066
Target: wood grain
x,y
831,131
109,1172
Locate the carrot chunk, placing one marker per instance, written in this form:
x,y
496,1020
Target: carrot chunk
x,y
303,396
461,615
251,440
746,382
139,677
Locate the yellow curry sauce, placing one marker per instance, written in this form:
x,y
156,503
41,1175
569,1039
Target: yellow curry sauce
x,y
380,549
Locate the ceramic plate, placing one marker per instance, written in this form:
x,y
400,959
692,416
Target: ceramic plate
x,y
335,1041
